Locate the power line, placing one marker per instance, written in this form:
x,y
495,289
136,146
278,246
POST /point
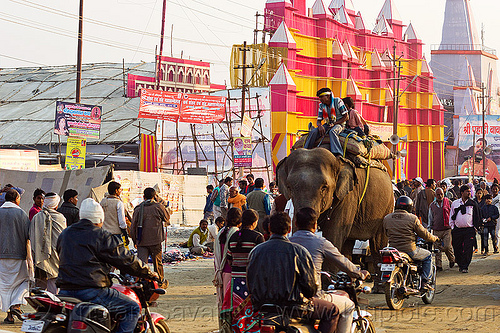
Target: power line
x,y
24,60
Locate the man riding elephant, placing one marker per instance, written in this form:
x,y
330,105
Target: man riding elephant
x,y
333,110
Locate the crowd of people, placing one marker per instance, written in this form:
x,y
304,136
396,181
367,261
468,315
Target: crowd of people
x,y
456,213
251,271
69,250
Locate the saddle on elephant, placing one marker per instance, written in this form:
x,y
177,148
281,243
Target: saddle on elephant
x,y
361,151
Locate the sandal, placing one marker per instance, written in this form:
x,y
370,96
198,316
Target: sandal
x,y
17,312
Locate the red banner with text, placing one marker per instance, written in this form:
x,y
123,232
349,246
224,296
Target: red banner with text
x,y
176,106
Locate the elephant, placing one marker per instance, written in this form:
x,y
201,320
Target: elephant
x,y
333,187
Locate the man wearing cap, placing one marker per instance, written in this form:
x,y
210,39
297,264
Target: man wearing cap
x,y
86,253
333,110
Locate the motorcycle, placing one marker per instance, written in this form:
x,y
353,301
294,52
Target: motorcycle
x,y
343,285
61,314
274,318
403,278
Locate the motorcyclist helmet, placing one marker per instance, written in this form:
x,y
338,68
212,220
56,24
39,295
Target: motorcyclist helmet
x,y
404,203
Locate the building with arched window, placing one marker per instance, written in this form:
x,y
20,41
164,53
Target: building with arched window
x,y
176,75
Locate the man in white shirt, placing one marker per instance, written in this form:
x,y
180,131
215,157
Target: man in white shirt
x,y
213,230
465,217
496,202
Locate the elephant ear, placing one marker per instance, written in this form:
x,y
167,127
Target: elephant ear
x,y
345,181
281,176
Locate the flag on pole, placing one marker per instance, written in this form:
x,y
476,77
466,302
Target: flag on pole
x,y
147,157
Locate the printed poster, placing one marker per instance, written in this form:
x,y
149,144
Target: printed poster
x,y
76,149
202,109
471,145
78,120
242,152
246,126
162,105
187,108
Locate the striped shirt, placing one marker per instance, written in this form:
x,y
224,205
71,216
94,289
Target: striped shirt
x,y
239,255
332,112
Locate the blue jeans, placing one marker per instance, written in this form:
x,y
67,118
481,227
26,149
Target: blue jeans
x,y
426,258
489,231
333,133
116,303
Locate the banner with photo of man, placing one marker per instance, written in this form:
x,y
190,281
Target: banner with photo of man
x,y
80,120
471,145
242,148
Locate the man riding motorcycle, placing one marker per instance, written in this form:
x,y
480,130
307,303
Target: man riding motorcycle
x,y
322,250
86,253
402,227
282,273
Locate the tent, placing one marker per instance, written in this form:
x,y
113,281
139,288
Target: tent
x,y
82,180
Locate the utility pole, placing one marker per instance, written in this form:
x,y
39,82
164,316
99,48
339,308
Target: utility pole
x,y
256,30
79,55
397,77
483,98
161,44
244,68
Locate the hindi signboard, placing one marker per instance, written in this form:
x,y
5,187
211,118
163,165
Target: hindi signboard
x,y
202,109
162,105
79,120
17,159
242,152
471,145
188,108
76,149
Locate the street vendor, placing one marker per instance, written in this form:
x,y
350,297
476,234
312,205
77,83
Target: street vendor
x,y
333,111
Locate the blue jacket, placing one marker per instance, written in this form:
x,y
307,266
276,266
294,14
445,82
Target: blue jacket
x,y
209,205
492,212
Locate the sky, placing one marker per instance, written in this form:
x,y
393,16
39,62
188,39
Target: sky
x,y
40,33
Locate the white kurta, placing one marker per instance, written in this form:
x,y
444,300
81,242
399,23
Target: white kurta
x,y
13,283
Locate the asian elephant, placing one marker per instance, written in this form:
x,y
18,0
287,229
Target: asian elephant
x,y
317,179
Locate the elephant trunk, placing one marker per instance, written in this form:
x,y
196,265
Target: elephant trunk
x,y
305,200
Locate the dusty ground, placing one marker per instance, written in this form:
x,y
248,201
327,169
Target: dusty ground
x,y
465,302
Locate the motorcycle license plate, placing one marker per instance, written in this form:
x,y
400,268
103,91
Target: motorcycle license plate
x,y
387,267
32,326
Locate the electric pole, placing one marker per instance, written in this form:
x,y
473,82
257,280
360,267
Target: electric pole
x,y
244,84
79,55
397,78
483,98
158,71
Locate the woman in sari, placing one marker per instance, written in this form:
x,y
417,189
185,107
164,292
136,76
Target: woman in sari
x,y
237,304
222,265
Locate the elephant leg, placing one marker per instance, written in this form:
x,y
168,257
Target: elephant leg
x,y
337,230
347,248
377,242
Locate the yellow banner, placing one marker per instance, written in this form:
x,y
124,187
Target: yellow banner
x,y
76,149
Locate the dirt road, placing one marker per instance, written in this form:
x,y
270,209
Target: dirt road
x,y
465,302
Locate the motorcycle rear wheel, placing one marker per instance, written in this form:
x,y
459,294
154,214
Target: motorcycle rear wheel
x,y
429,295
394,302
361,326
162,327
